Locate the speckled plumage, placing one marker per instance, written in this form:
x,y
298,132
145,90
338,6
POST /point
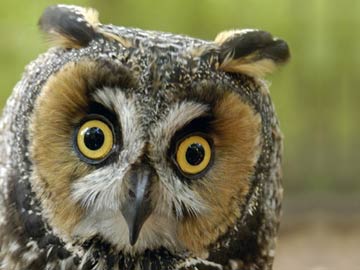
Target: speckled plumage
x,y
164,69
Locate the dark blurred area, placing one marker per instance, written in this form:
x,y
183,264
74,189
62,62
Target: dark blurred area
x,y
315,95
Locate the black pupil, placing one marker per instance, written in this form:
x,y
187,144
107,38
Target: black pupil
x,y
94,138
195,154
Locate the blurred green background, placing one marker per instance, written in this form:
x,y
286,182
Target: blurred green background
x,y
316,94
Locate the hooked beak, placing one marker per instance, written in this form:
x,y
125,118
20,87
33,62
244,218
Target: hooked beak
x,y
138,206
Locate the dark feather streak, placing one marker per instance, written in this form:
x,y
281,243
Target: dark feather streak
x,y
260,42
68,24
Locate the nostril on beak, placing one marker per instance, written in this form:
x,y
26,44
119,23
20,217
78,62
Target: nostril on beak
x,y
147,194
132,194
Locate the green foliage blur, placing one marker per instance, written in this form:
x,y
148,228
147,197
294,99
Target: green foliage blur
x,y
315,95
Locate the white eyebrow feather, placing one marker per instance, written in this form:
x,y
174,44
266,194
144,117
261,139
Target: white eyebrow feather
x,y
179,115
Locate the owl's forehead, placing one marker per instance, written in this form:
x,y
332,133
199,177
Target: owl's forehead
x,y
162,59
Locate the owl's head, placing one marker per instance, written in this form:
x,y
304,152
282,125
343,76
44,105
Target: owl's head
x,y
149,140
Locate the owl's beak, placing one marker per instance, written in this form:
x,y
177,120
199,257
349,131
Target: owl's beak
x,y
138,206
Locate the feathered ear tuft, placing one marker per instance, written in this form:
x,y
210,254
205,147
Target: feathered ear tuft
x,y
69,26
252,52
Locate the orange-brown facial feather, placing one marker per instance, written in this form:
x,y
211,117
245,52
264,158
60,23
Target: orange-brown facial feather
x,y
62,104
237,142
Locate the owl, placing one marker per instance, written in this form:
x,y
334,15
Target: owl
x,y
140,150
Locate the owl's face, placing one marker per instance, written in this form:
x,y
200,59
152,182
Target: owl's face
x,y
143,167
149,148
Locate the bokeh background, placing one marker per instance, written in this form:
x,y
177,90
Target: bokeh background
x,y
316,97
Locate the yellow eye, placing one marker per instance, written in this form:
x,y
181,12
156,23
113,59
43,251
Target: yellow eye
x,y
95,139
193,155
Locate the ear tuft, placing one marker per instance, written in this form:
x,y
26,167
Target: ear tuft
x,y
252,52
69,26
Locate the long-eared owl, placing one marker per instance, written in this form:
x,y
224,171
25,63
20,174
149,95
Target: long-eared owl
x,y
129,149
